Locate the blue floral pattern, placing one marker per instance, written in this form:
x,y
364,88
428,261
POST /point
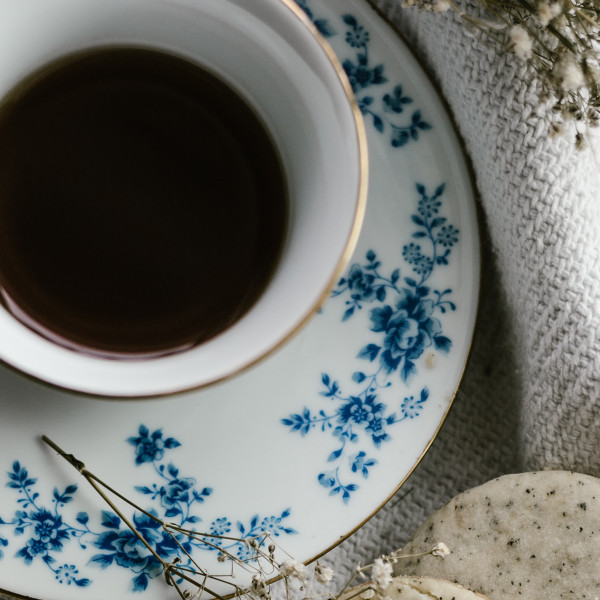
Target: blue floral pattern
x,y
404,319
175,498
388,110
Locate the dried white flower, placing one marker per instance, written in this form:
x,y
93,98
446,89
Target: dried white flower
x,y
520,41
440,6
440,550
368,594
556,129
547,12
569,74
323,573
381,573
260,588
293,568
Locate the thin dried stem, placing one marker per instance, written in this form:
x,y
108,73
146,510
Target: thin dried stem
x,y
261,563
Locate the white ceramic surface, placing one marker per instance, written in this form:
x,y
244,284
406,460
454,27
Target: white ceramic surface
x,y
311,442
267,50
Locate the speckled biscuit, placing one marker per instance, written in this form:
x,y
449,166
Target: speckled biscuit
x,y
530,536
417,588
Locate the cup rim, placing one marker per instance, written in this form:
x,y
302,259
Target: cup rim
x,y
351,241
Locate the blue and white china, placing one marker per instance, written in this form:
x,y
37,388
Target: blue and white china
x,y
268,51
312,441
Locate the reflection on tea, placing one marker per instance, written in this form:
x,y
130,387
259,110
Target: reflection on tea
x,y
143,206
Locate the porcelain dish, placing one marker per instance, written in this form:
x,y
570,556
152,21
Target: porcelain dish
x,y
306,445
267,51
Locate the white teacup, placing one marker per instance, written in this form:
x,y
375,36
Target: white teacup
x,y
271,54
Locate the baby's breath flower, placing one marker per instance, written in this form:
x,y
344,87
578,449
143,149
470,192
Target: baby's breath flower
x,y
381,573
548,11
368,594
440,6
556,129
569,74
323,573
560,42
520,41
440,550
293,568
260,588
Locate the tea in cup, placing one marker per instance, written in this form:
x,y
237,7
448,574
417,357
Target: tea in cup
x,y
181,182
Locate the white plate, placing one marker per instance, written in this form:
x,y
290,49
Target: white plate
x,y
310,443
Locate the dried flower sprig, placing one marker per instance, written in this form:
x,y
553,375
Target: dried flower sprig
x,y
379,573
263,564
560,39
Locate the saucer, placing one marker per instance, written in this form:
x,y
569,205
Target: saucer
x,y
311,442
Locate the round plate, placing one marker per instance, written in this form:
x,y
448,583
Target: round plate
x,y
311,442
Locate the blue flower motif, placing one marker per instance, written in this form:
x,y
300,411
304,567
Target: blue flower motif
x,y
176,491
127,550
411,408
360,283
358,37
429,206
67,574
376,428
273,526
412,254
408,330
220,526
359,411
34,547
423,266
48,529
150,447
361,76
447,236
404,317
175,498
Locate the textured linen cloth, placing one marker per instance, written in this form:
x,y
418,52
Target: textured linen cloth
x,y
530,396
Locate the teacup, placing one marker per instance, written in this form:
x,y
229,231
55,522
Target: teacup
x,y
271,56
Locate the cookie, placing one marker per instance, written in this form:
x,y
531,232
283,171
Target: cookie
x,y
532,536
415,588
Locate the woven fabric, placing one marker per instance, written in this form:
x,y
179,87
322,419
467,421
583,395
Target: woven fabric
x,y
530,397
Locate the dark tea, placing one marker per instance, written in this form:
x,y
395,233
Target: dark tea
x,y
143,205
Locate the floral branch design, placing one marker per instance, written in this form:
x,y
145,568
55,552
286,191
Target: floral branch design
x,y
265,561
403,317
47,530
173,497
354,414
387,111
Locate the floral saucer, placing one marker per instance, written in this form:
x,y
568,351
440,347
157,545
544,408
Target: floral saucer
x,y
310,443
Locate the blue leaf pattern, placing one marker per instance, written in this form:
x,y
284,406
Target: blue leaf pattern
x,y
385,110
175,498
404,317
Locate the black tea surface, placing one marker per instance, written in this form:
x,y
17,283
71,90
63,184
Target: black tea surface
x,y
143,206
